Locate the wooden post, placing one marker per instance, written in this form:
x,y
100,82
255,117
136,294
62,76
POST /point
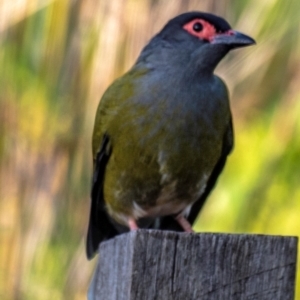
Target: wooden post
x,y
150,264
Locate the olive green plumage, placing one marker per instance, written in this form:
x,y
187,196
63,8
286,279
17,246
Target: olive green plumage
x,y
135,167
162,131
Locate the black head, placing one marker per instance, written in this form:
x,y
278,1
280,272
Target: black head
x,y
198,38
205,28
199,20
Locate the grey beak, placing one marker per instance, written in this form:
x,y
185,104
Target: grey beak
x,y
234,39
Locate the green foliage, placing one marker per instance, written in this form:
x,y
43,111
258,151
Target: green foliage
x,y
57,60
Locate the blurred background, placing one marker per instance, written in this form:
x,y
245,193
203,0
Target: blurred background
x,y
58,57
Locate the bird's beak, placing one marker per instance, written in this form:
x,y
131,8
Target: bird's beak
x,y
233,38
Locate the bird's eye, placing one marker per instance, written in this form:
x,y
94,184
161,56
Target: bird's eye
x,y
197,27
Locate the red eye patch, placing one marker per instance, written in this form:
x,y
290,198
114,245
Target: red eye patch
x,y
207,32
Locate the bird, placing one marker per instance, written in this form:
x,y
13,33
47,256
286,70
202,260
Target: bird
x,y
163,131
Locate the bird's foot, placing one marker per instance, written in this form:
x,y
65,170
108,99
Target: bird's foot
x,y
183,222
132,224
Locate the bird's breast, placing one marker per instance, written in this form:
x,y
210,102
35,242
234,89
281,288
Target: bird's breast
x,y
163,152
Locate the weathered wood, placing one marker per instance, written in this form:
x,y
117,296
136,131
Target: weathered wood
x,y
167,265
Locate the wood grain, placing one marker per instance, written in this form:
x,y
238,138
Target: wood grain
x,y
150,264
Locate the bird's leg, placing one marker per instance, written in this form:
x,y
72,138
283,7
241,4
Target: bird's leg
x,y
183,222
132,224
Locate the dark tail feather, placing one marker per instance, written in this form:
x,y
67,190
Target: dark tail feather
x,y
100,227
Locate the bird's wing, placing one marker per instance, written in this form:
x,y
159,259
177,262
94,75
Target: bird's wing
x,y
168,222
100,226
228,142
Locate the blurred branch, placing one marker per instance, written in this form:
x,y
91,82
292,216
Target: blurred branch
x,y
12,12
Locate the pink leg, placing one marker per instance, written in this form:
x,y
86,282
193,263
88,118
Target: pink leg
x,y
183,222
132,224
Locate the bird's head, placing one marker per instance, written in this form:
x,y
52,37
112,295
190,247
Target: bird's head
x,y
196,38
